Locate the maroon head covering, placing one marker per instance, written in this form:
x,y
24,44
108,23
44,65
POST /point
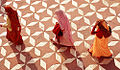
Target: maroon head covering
x,y
12,15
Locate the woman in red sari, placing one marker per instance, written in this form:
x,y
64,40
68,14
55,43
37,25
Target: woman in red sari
x,y
62,29
100,44
13,26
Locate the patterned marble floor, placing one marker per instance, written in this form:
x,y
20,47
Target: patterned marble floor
x,y
37,20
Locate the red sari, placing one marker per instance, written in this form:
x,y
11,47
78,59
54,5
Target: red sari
x,y
13,35
57,31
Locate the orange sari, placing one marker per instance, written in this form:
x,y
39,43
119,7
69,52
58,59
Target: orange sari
x,y
100,45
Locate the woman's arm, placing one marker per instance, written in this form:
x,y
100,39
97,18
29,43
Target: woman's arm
x,y
93,30
106,32
5,25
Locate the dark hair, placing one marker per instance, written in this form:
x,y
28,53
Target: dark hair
x,y
106,33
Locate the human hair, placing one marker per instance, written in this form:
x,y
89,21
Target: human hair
x,y
106,32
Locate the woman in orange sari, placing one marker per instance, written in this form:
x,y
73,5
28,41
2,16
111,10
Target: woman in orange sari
x,y
13,26
100,44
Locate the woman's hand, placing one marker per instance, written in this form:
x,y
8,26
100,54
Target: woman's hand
x,y
98,22
5,25
18,28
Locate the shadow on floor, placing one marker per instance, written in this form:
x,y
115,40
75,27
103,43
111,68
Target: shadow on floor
x,y
26,54
66,54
